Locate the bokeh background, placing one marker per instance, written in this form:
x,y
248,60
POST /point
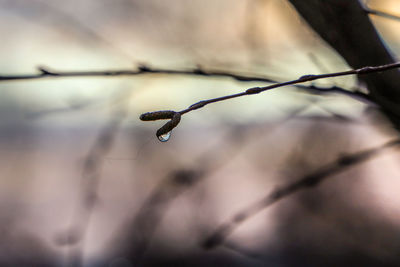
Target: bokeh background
x,y
84,182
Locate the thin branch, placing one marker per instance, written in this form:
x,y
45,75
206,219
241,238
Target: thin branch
x,y
302,79
45,73
310,180
143,69
164,132
381,13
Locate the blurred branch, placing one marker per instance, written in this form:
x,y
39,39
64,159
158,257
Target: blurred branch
x,y
150,214
310,180
142,69
91,175
198,71
142,227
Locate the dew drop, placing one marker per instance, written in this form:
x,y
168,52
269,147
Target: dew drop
x,y
164,137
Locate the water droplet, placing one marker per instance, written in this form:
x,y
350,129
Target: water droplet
x,y
164,137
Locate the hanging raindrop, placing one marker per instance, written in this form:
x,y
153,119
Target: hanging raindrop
x,y
164,137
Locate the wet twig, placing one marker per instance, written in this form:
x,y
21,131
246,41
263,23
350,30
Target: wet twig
x,y
167,128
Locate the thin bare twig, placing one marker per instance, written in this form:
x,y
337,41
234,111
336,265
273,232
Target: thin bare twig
x,y
381,13
166,129
310,180
45,73
302,79
142,69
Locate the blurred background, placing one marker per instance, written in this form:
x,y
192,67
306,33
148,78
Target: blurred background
x,y
84,182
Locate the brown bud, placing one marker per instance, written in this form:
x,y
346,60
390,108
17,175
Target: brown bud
x,y
166,128
157,115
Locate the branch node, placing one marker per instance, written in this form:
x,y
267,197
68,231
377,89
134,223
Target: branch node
x,y
199,70
253,90
199,104
144,68
45,71
308,77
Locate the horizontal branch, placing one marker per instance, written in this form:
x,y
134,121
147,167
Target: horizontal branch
x,y
310,180
143,69
46,73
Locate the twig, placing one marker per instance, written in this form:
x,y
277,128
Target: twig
x,y
310,180
142,69
167,128
45,73
381,13
302,79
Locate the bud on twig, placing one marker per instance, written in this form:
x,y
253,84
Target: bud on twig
x,y
166,128
157,115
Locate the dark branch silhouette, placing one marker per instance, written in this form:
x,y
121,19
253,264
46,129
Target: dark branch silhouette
x,y
45,73
310,180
